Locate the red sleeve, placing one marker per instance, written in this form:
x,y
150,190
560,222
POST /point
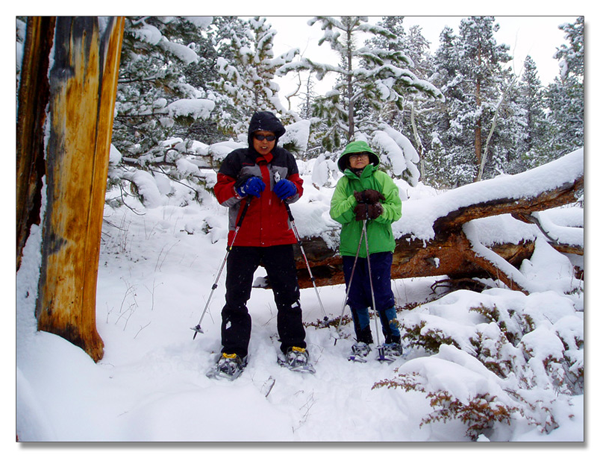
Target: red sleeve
x,y
295,178
224,187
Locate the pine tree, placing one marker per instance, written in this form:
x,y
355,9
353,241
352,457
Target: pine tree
x,y
566,94
163,107
398,129
155,50
248,79
215,44
532,145
448,162
373,76
415,122
475,86
390,112
482,59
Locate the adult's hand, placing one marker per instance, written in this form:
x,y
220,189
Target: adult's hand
x,y
284,189
253,186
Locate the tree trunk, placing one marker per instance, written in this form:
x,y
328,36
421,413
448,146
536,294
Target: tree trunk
x,y
478,141
33,100
349,84
478,125
83,86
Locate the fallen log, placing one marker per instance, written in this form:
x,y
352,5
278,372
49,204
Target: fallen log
x,y
413,258
449,251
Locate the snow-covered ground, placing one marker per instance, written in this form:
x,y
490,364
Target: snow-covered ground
x,y
155,275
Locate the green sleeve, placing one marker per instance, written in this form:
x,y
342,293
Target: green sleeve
x,y
342,202
392,206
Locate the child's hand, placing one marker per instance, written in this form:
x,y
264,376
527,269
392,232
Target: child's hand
x,y
369,196
367,212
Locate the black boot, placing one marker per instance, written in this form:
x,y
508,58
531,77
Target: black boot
x,y
362,326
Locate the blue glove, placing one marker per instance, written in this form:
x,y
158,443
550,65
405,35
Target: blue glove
x,y
284,189
253,186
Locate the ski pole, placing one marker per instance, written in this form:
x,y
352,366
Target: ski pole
x,y
197,329
297,235
337,329
381,354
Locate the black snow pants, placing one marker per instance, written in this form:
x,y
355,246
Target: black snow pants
x,y
279,263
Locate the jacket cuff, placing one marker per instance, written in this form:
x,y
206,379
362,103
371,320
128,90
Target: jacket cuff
x,y
235,194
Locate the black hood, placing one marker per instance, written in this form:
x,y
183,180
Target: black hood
x,y
265,120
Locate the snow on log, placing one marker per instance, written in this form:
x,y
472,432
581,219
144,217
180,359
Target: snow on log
x,y
470,231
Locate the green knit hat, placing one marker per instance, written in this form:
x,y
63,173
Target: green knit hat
x,y
358,146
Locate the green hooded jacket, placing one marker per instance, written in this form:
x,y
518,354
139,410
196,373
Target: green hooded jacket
x,y
343,202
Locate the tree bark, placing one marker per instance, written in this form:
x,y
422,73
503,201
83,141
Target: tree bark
x,y
83,85
33,100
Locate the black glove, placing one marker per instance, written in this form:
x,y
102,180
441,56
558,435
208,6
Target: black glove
x,y
361,212
369,196
375,210
368,211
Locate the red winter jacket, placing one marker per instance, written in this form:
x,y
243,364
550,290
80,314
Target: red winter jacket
x,y
266,221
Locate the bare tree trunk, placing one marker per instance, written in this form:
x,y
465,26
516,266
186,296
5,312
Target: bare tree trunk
x,y
478,142
33,101
417,137
486,150
83,85
349,83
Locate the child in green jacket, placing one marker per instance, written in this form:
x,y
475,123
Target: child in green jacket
x,y
367,196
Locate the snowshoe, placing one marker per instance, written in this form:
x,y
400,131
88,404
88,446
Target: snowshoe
x,y
228,367
388,352
359,352
393,350
296,359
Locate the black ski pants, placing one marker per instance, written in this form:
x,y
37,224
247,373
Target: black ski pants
x,y
279,263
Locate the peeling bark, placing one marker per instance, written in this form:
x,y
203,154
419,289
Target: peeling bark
x,y
33,100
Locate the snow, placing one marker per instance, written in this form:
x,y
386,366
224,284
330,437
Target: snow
x,y
156,270
220,150
196,108
115,155
200,21
185,54
297,134
148,33
424,212
147,188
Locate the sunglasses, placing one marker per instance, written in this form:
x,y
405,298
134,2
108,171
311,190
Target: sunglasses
x,y
261,137
358,155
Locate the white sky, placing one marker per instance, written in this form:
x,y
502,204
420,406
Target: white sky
x,y
538,36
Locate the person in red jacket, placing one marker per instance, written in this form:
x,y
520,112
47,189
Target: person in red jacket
x,y
262,177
